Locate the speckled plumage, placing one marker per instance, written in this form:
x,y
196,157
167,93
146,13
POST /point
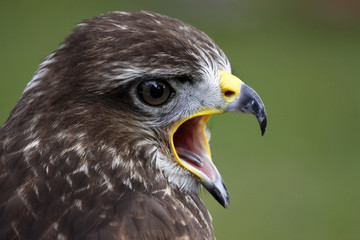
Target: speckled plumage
x,y
82,158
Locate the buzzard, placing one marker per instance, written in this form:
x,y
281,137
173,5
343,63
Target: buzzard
x,y
108,140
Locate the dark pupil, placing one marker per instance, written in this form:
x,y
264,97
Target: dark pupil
x,y
156,90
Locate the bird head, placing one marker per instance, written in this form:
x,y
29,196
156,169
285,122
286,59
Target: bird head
x,y
141,87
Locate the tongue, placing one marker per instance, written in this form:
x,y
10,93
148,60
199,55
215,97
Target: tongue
x,y
189,157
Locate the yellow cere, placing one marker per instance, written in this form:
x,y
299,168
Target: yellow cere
x,y
230,86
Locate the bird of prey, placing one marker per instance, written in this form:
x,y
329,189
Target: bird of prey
x,y
108,140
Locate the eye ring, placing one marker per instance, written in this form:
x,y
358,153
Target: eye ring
x,y
154,92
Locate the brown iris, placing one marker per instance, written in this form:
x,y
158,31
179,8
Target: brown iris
x,y
154,92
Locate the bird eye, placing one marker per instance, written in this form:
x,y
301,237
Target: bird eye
x,y
154,92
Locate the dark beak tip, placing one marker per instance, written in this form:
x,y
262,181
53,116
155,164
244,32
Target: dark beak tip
x,y
218,191
263,126
226,203
223,200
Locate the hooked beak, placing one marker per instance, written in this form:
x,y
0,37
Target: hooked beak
x,y
249,101
190,144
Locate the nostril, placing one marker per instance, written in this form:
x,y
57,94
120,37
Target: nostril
x,y
229,94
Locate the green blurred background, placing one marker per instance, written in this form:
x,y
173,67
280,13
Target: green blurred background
x,y
302,179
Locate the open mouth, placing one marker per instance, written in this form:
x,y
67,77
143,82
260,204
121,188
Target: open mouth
x,y
191,147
